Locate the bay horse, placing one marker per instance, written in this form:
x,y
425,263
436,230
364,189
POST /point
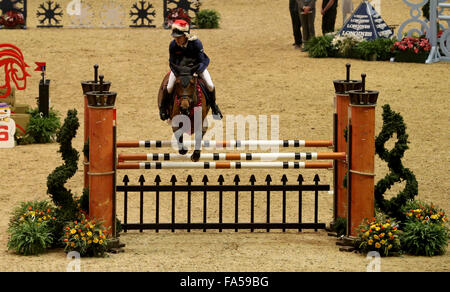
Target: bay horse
x,y
188,96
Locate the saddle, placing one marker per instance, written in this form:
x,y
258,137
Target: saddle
x,y
201,83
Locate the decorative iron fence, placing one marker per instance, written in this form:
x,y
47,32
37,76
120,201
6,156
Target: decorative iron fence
x,y
208,190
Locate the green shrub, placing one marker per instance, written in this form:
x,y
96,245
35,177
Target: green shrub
x,y
340,226
29,238
426,239
32,228
380,48
41,129
207,18
320,47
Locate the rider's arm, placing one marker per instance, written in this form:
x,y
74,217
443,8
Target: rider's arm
x,y
172,55
201,56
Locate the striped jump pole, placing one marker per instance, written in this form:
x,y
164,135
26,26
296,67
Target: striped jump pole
x,y
226,144
233,156
223,165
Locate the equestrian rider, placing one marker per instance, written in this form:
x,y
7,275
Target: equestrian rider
x,y
186,46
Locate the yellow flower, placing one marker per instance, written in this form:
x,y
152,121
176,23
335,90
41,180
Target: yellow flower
x,y
95,240
381,235
383,241
73,231
72,244
82,234
377,245
377,229
389,246
370,242
372,227
390,233
100,242
89,233
375,236
89,241
83,238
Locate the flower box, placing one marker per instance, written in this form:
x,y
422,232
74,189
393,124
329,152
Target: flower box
x,y
409,49
411,57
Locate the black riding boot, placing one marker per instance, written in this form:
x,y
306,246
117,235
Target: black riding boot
x,y
164,109
214,107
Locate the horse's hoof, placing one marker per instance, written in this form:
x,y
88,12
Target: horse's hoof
x,y
182,151
195,156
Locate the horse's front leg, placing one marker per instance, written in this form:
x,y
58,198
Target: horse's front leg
x,y
198,133
198,149
180,143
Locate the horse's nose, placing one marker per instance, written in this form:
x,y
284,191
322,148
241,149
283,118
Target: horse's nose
x,y
184,111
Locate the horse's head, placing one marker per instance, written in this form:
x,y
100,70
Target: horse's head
x,y
186,87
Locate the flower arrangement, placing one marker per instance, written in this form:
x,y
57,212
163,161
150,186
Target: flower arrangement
x,y
379,234
416,45
425,229
418,211
346,45
31,228
411,49
86,237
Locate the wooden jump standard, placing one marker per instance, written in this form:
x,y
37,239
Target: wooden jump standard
x,y
355,203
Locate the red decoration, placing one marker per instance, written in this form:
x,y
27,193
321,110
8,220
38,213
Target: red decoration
x,y
11,58
12,19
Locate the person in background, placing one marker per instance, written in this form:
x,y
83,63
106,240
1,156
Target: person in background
x,y
296,24
329,11
307,11
347,8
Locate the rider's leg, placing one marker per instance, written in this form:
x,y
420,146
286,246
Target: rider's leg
x,y
167,97
212,96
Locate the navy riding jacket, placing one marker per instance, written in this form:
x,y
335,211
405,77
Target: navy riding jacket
x,y
193,49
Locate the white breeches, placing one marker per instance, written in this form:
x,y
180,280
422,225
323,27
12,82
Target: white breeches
x,y
205,76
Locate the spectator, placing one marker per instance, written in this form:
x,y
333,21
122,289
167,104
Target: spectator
x,y
296,24
307,11
329,11
347,8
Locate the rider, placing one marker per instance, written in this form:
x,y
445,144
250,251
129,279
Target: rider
x,y
185,45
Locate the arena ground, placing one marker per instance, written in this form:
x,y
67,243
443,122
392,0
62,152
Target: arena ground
x,y
257,71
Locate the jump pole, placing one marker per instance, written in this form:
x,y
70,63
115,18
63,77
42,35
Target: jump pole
x,y
225,144
223,165
341,102
233,156
361,148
